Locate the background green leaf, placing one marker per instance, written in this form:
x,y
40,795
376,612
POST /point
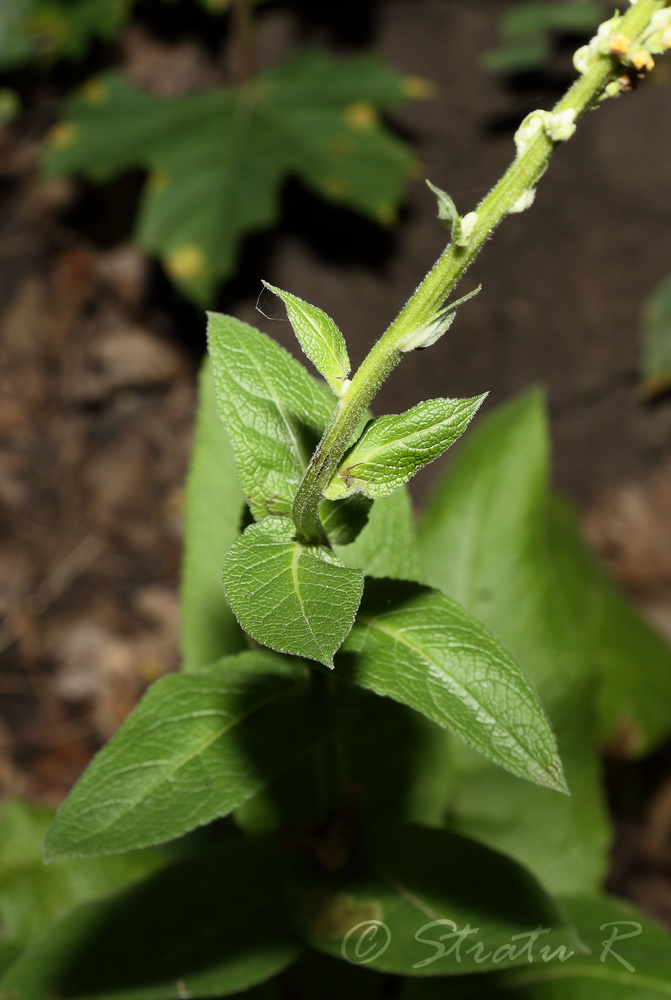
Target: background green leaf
x,y
33,896
274,412
420,648
484,541
394,447
207,926
528,28
320,338
195,747
387,546
217,158
656,342
213,513
295,598
632,661
422,883
600,975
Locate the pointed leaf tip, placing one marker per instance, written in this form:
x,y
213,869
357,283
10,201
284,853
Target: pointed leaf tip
x,y
321,340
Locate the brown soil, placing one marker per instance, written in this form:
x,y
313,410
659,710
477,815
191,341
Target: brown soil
x,y
96,392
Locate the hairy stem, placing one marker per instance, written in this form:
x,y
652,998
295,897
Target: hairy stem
x,y
520,178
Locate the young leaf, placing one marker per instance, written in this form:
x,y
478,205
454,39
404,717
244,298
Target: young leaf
x,y
273,409
209,925
488,514
629,958
416,893
33,896
319,337
447,213
418,647
656,345
387,546
295,598
196,746
428,333
213,511
393,448
217,160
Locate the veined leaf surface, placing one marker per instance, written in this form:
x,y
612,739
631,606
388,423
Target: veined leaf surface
x,y
418,647
195,748
292,597
273,409
320,338
394,447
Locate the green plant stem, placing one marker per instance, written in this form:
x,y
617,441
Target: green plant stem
x,y
520,177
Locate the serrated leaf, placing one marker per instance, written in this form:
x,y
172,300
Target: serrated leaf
x,y
33,896
411,895
320,338
195,748
217,159
273,409
394,447
387,546
208,926
295,598
415,645
213,512
630,959
484,541
656,341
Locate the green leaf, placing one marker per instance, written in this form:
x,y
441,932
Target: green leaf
x,y
344,520
320,338
387,546
208,926
47,29
630,960
484,541
447,213
528,28
656,345
213,512
217,159
394,447
633,661
421,885
390,761
33,896
273,409
418,647
195,748
295,598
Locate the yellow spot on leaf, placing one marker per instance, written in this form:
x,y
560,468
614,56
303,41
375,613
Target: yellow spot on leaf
x,y
94,92
335,186
386,214
186,262
62,134
361,116
331,917
416,86
157,180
